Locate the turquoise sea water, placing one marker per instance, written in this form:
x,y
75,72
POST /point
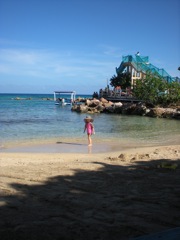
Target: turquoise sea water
x,y
32,118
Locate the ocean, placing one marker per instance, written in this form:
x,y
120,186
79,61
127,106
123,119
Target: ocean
x,y
36,118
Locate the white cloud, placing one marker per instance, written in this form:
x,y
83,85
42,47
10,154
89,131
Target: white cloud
x,y
46,64
50,69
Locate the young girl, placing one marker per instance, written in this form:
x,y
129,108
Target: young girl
x,y
89,128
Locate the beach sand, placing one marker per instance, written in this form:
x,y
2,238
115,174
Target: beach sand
x,y
113,194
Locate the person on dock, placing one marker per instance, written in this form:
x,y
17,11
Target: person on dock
x,y
89,127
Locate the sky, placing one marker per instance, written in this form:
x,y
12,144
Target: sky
x,y
53,45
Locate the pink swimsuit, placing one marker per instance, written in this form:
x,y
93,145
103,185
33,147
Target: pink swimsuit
x,y
89,128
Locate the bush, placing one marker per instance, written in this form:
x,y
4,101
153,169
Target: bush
x,y
157,91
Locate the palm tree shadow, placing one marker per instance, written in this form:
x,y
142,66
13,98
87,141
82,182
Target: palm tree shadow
x,y
113,202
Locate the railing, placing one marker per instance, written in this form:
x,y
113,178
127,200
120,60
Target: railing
x,y
141,64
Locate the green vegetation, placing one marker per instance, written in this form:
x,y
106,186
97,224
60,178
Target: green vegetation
x,y
123,80
152,89
157,91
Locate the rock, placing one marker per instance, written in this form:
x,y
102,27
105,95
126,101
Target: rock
x,y
156,112
103,100
109,109
100,108
94,103
108,104
164,113
80,99
118,104
103,106
80,108
140,109
88,102
128,108
169,113
111,103
177,115
123,157
96,100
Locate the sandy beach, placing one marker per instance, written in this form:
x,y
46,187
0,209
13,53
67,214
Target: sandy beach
x,y
117,194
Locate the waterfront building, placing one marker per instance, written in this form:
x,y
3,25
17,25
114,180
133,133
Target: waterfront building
x,y
138,66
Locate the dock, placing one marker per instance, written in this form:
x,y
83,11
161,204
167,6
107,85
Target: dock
x,y
59,97
122,99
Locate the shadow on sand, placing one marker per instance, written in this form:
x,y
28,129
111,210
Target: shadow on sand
x,y
114,202
70,143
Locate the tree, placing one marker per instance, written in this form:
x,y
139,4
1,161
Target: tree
x,y
173,93
123,80
157,90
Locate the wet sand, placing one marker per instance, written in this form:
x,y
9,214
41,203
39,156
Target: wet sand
x,y
109,194
62,147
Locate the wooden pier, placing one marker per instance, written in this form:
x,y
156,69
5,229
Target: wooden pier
x,y
122,99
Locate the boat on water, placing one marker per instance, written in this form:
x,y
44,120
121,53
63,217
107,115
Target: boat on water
x,y
59,98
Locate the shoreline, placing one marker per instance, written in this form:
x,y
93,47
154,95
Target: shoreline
x,y
74,145
102,150
160,152
61,147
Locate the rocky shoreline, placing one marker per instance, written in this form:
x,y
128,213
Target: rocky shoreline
x,y
91,106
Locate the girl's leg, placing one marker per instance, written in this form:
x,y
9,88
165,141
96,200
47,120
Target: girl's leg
x,y
89,140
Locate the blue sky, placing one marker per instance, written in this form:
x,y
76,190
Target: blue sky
x,y
48,45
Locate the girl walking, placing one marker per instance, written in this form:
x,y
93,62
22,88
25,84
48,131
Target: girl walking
x,y
89,128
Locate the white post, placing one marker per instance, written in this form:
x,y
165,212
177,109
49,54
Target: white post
x,y
71,97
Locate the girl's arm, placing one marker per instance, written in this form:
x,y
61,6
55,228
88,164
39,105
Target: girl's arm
x,y
85,127
93,129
